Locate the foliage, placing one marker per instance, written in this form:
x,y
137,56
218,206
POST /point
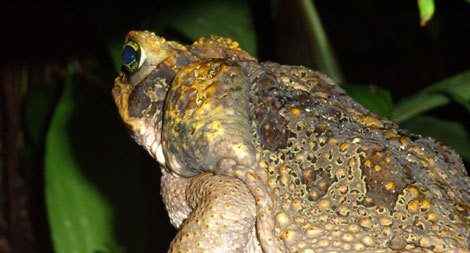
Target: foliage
x,y
426,11
455,88
88,190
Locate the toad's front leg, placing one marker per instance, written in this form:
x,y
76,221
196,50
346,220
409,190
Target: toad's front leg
x,y
206,129
221,218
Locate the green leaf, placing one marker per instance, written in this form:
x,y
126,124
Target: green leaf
x,y
450,132
325,57
411,107
426,11
70,197
114,50
441,93
374,98
461,98
93,185
225,18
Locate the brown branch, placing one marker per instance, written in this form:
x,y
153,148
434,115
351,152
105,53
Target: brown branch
x,y
16,234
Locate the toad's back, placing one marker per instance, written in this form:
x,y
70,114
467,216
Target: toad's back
x,y
344,178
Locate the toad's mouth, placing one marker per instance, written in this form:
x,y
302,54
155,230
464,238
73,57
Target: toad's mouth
x,y
145,130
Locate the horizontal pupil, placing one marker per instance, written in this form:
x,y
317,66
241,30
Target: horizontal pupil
x,y
128,55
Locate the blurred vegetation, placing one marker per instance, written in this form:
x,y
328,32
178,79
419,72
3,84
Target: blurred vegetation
x,y
102,191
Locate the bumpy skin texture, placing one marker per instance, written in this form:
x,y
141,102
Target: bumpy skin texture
x,y
262,157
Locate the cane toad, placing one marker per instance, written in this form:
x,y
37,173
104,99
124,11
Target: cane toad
x,y
263,157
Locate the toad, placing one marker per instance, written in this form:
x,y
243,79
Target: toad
x,y
263,157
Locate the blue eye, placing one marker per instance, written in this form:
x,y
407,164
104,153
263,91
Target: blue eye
x,y
132,57
129,55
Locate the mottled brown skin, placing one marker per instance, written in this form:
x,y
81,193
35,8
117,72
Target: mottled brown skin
x,y
262,157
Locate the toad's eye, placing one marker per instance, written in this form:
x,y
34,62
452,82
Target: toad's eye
x,y
132,57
